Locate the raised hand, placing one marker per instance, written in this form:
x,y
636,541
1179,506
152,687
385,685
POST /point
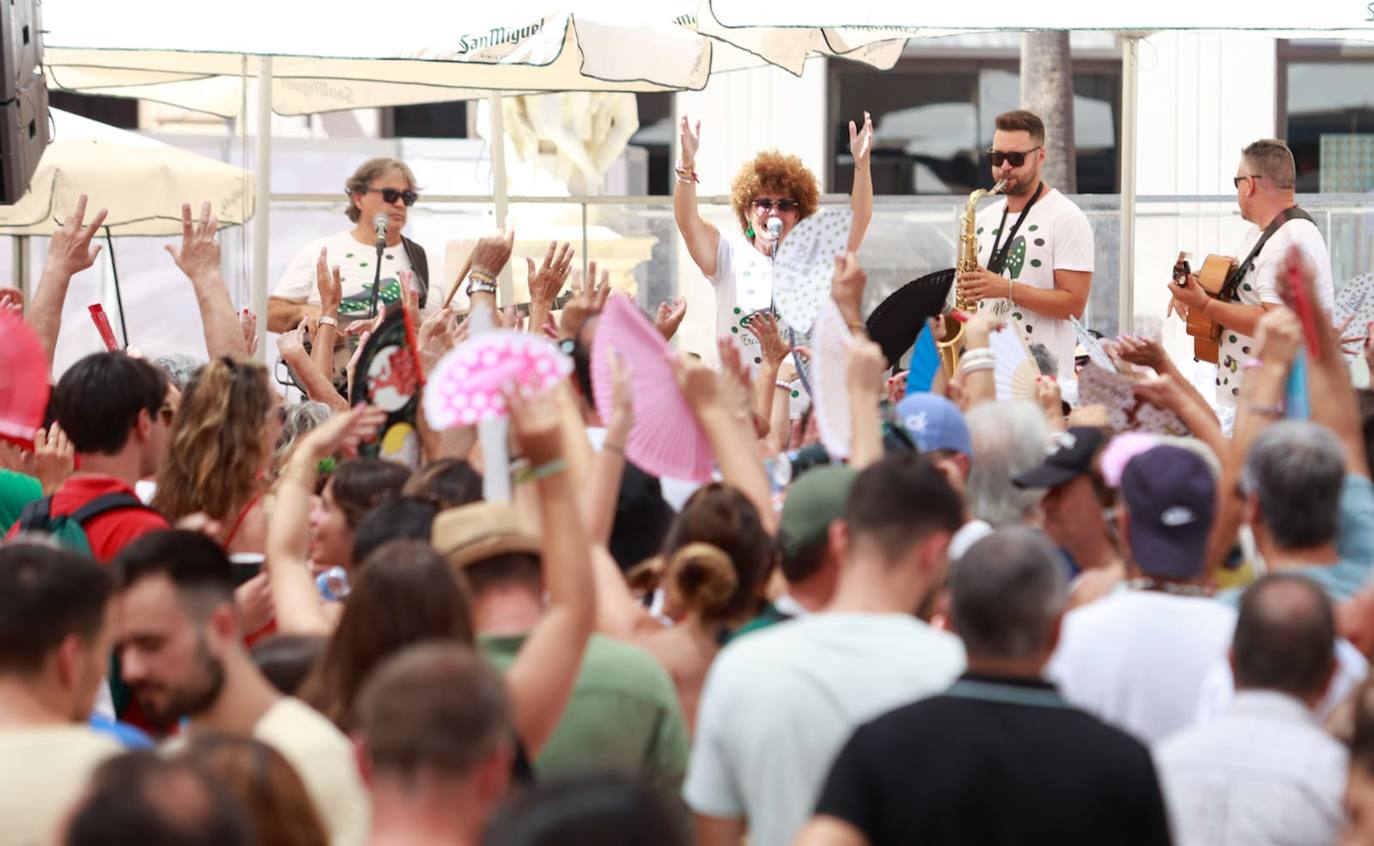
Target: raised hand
x,y
864,368
1279,337
329,283
199,255
492,252
861,142
547,280
343,432
847,287
70,250
764,326
669,317
248,322
689,142
291,345
588,300
980,327
1145,352
697,382
54,457
534,424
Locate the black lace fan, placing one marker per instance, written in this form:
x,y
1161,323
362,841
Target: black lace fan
x,y
897,320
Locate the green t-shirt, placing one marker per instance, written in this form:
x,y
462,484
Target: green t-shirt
x,y
623,716
16,491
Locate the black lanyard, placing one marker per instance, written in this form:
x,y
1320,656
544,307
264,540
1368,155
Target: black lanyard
x,y
995,261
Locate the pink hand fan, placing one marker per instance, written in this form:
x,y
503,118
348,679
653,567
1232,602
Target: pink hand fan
x,y
666,439
24,385
830,340
465,389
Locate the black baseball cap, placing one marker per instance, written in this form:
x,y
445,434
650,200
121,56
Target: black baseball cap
x,y
1072,454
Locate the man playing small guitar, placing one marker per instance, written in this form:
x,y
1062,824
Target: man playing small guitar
x,y
1265,182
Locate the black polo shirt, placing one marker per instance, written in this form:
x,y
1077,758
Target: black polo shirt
x,y
995,761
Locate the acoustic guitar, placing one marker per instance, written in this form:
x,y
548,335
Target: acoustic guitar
x,y
1212,279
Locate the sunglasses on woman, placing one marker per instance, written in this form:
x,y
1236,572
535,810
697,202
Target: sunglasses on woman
x,y
391,195
764,204
1017,158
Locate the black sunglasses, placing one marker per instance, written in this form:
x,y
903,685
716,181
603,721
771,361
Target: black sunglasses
x,y
391,195
1016,158
1236,180
765,204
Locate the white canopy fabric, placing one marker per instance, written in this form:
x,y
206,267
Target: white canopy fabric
x,y
361,55
142,182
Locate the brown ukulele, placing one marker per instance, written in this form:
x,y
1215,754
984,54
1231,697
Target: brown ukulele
x,y
1212,278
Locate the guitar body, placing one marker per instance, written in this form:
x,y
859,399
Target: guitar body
x,y
1205,331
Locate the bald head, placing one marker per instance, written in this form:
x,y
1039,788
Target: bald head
x,y
1285,637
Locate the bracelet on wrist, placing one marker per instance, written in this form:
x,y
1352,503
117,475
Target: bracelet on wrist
x,y
539,472
480,283
686,175
326,320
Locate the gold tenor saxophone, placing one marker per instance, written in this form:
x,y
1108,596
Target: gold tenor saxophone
x,y
951,346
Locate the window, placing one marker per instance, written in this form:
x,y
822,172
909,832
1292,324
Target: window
x,y
426,120
933,118
1326,113
655,135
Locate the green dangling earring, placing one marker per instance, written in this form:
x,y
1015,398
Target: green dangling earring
x,y
749,233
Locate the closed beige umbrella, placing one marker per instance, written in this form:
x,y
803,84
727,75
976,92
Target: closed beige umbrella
x,y
141,181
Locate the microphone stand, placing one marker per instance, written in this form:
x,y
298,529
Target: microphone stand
x,y
376,279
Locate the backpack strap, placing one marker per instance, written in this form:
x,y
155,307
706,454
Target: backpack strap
x,y
104,504
36,515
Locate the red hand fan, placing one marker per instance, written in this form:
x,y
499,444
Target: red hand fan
x,y
24,384
666,439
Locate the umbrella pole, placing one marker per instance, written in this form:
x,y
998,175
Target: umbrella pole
x,y
262,201
492,434
119,298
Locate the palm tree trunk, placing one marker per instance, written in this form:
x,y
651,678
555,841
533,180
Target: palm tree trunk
x,y
1047,90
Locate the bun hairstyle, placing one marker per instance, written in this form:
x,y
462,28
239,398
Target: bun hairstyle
x,y
701,581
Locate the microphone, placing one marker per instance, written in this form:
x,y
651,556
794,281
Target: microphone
x,y
379,222
775,229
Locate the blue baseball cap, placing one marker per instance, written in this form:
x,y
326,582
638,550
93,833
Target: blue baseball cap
x,y
933,422
1170,495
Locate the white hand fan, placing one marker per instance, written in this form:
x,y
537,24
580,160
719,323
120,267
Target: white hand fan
x,y
805,263
829,386
1096,353
1016,371
1355,303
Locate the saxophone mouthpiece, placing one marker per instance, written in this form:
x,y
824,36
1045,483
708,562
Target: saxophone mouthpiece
x,y
999,187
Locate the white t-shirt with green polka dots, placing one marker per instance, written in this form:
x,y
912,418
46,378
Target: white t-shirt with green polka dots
x,y
743,283
1055,235
1260,286
357,268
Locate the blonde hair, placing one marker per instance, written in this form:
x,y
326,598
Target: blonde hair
x,y
701,581
774,172
216,449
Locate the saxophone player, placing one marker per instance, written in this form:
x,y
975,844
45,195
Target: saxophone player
x,y
1035,248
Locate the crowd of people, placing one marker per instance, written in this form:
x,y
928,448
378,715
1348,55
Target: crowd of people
x,y
997,621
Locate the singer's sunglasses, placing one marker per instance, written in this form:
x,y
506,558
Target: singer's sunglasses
x,y
764,204
391,195
1017,158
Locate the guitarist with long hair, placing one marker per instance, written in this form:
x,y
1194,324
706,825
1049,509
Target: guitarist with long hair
x,y
1265,182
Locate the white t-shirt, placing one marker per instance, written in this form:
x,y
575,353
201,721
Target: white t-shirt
x,y
324,759
357,267
778,705
1260,286
1139,659
740,267
1055,235
43,771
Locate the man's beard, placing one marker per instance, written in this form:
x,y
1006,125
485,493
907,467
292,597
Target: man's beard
x,y
186,701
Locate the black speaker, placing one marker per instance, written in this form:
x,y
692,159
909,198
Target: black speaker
x,y
23,97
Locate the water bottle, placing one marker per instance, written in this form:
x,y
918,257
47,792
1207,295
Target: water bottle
x,y
333,584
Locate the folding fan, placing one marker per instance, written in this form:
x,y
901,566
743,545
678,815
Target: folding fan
x,y
925,362
1016,370
1092,345
466,388
829,384
805,263
666,439
1355,303
897,321
24,384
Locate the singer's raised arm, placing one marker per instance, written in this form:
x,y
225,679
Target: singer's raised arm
x,y
861,195
701,237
